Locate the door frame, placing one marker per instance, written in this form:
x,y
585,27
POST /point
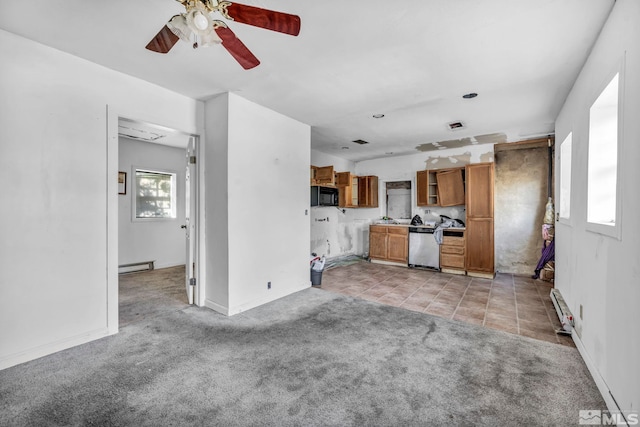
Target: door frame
x,y
112,161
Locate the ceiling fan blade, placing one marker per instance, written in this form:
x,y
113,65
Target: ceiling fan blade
x,y
236,48
263,18
163,41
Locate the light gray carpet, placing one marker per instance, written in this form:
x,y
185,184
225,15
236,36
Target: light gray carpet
x,y
150,293
312,358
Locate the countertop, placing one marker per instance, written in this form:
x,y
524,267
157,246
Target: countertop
x,y
419,226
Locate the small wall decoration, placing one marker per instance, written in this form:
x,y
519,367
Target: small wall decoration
x,y
122,183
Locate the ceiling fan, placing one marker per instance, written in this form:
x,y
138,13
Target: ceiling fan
x,y
197,21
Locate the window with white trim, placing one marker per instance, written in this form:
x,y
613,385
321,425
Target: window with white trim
x,y
154,194
565,177
602,169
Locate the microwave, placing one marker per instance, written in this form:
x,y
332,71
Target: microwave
x,y
324,196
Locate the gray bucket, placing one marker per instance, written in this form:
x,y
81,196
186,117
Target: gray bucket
x,y
316,278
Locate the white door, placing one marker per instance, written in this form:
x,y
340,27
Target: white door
x,y
191,213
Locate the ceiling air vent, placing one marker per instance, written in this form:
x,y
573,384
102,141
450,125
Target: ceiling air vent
x,y
139,134
360,141
456,126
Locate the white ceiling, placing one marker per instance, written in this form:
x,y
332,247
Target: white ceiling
x,y
411,60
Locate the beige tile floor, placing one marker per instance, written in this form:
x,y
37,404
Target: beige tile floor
x,y
515,304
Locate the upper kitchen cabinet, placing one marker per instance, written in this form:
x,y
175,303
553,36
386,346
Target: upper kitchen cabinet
x,y
440,187
347,190
450,184
426,188
322,175
479,178
368,191
343,179
357,191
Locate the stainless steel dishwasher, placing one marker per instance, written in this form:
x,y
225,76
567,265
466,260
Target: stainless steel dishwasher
x,y
424,251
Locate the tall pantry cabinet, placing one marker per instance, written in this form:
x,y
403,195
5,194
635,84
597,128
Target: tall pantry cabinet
x,y
479,232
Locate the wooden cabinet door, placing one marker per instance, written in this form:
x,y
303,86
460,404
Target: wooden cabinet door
x,y
343,179
398,246
345,196
378,242
368,191
422,188
373,191
479,195
480,257
450,187
324,175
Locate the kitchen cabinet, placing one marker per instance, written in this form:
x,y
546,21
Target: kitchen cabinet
x,y
368,191
343,179
480,220
453,252
450,187
440,187
322,175
357,191
389,244
426,188
346,196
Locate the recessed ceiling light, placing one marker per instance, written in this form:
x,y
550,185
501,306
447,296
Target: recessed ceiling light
x,y
378,116
360,141
470,95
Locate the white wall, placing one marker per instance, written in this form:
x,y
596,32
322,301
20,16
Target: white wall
x,y
261,216
60,195
160,240
339,164
602,273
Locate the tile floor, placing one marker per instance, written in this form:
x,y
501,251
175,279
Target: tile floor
x,y
515,304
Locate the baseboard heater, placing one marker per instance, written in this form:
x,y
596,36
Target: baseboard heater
x,y
564,314
135,267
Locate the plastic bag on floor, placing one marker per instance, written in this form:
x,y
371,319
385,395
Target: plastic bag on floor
x,y
318,264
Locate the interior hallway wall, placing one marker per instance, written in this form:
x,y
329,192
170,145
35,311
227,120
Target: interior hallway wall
x,y
60,197
259,223
161,240
520,196
595,271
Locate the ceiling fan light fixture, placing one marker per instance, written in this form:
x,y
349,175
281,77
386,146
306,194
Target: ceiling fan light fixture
x,y
178,26
199,20
209,39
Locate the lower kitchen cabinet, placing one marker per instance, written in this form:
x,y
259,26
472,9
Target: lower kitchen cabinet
x,y
389,244
453,257
480,250
378,242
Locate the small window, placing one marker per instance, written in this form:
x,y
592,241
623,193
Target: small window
x,y
154,194
565,177
602,175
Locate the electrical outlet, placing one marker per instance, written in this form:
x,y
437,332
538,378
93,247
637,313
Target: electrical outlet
x,y
268,285
427,211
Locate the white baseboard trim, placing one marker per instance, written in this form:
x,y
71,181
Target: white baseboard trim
x,y
275,296
216,307
600,383
50,348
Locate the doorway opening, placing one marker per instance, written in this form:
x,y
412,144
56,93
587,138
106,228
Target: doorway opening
x,y
157,220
